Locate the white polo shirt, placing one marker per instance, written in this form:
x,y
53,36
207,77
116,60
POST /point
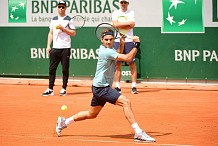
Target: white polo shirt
x,y
121,16
60,39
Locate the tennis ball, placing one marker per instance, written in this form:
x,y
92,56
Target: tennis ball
x,y
63,107
58,26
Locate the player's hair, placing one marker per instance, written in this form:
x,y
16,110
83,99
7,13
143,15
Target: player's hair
x,y
107,32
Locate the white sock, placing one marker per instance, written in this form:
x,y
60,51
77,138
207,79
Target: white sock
x,y
133,84
69,120
135,126
118,84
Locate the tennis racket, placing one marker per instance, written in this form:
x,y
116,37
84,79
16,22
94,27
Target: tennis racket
x,y
101,27
75,23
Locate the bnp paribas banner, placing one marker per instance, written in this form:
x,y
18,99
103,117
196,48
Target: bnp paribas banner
x,y
40,12
182,16
171,15
17,11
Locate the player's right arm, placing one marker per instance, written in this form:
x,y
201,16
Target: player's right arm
x,y
49,41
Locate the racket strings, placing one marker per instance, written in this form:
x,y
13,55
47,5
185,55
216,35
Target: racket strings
x,y
78,21
104,27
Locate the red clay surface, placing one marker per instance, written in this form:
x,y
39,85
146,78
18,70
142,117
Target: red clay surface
x,y
175,114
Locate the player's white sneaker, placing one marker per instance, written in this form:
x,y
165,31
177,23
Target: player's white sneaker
x,y
143,137
63,92
60,125
48,92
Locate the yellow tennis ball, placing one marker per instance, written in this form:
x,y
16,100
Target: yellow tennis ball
x,y
63,107
58,26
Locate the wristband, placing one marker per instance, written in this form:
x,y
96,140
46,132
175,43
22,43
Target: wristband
x,y
137,44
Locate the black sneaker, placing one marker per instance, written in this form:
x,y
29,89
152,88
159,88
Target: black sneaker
x,y
134,90
48,92
118,89
63,92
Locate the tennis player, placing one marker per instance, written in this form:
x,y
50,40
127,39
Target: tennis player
x,y
124,20
102,83
60,52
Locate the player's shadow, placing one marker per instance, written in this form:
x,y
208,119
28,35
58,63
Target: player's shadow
x,y
148,90
79,92
120,136
141,90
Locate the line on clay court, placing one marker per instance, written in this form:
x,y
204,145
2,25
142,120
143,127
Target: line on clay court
x,y
97,141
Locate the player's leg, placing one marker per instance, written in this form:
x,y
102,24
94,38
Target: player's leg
x,y
100,96
53,64
97,104
126,104
118,70
90,114
128,47
54,61
118,76
62,123
65,62
133,71
139,133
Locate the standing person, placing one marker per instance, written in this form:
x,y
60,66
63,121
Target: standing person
x,y
59,33
101,87
124,20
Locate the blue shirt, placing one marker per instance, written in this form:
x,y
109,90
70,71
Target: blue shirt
x,y
105,70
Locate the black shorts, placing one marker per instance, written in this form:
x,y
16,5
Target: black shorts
x,y
101,95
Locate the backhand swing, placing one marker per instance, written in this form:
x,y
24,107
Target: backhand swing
x,y
102,83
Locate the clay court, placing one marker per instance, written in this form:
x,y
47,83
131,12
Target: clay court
x,y
174,114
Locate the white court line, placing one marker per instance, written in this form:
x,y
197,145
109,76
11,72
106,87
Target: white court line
x,y
90,140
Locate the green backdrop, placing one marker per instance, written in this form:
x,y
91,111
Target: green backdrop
x,y
156,58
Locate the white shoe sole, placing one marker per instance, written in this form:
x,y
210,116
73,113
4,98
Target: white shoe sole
x,y
48,95
137,140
